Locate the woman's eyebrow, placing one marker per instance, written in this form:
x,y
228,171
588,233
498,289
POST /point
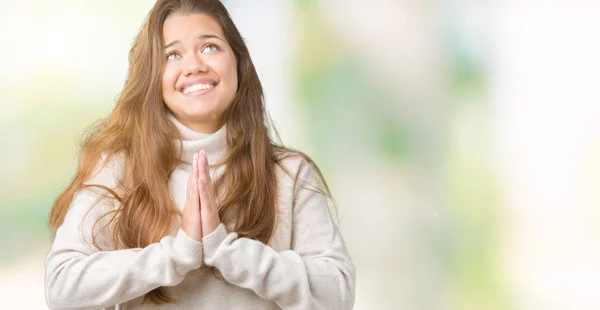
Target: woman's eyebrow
x,y
200,37
209,36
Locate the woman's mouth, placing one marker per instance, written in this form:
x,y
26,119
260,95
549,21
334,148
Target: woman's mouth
x,y
197,89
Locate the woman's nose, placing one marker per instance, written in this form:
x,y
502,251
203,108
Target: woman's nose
x,y
195,65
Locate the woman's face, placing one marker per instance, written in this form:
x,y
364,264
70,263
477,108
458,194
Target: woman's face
x,y
199,79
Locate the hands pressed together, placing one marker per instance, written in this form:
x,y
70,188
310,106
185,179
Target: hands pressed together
x,y
200,213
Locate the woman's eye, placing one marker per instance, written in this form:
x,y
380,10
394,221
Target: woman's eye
x,y
209,48
172,56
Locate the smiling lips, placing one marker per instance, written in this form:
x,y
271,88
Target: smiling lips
x,y
197,88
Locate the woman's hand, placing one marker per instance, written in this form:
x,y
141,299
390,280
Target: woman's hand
x,y
192,221
208,203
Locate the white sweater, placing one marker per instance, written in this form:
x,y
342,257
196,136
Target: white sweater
x,y
304,266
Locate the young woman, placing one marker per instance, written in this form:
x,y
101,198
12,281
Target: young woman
x,y
181,200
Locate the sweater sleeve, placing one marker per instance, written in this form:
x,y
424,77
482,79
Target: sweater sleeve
x,y
81,276
316,273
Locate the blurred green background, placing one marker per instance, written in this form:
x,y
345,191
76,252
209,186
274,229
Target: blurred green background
x,y
460,138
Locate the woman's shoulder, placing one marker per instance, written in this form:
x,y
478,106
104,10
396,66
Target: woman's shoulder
x,y
291,160
103,182
108,170
297,167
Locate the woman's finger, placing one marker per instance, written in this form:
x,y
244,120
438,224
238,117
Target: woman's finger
x,y
190,183
192,224
207,184
201,177
209,213
195,195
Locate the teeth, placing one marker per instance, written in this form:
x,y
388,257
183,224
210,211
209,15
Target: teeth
x,y
197,87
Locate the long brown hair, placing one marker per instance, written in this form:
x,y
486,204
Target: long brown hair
x,y
139,132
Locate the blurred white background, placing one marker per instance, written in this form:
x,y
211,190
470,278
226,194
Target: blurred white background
x,y
461,139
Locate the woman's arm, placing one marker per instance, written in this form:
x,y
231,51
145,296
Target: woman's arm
x,y
80,276
316,273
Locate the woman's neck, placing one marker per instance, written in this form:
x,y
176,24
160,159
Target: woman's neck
x,y
192,141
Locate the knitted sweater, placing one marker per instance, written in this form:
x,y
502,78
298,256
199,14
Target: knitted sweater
x,y
305,264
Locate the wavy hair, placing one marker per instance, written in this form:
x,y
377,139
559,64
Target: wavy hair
x,y
138,130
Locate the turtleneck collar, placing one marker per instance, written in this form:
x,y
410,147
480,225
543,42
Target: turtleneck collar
x,y
192,141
